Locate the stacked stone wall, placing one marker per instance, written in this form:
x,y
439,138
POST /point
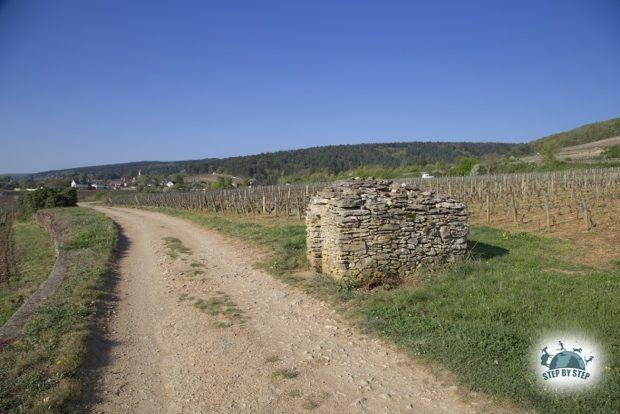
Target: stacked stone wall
x,y
390,228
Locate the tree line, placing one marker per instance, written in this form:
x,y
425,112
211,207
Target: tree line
x,y
270,167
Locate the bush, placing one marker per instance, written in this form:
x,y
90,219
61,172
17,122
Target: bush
x,y
612,152
32,201
463,166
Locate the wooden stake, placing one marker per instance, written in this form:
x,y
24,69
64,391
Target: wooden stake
x,y
514,207
488,209
548,217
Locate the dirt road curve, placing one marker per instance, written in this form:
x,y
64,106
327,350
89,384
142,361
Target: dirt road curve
x,y
207,333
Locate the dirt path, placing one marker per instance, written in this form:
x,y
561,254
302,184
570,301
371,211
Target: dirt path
x,y
205,332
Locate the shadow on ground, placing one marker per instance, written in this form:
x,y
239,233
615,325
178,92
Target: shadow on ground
x,y
100,346
485,251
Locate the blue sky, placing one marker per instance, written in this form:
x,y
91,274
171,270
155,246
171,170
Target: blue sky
x,y
85,83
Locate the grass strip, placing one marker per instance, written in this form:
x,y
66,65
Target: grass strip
x,y
482,318
33,260
175,247
40,371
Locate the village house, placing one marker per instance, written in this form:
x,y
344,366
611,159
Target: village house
x,y
98,185
78,185
116,184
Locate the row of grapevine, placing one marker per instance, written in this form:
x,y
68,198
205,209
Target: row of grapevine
x,y
8,211
8,204
6,229
548,198
545,198
270,200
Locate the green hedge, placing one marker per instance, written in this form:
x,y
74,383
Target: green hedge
x,y
32,201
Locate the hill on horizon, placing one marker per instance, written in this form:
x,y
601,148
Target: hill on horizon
x,y
334,159
331,159
584,134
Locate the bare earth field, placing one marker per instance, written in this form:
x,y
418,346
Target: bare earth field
x,y
196,328
580,152
597,246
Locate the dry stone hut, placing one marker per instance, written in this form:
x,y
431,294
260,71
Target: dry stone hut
x,y
390,228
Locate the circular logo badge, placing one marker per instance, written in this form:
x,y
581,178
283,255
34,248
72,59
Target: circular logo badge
x,y
567,362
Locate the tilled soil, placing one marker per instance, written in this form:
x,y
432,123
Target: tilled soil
x,y
203,331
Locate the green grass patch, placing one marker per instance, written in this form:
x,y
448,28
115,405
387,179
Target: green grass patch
x,y
40,371
33,260
286,373
222,307
310,404
481,318
175,247
294,393
313,402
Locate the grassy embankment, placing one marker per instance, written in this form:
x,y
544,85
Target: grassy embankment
x,y
480,318
40,371
33,256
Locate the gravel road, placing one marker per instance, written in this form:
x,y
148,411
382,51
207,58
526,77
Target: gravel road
x,y
206,332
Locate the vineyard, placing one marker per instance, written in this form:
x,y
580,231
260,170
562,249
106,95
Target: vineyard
x,y
534,201
8,209
537,201
274,200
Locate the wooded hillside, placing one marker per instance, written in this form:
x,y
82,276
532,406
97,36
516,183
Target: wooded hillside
x,y
331,159
584,134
